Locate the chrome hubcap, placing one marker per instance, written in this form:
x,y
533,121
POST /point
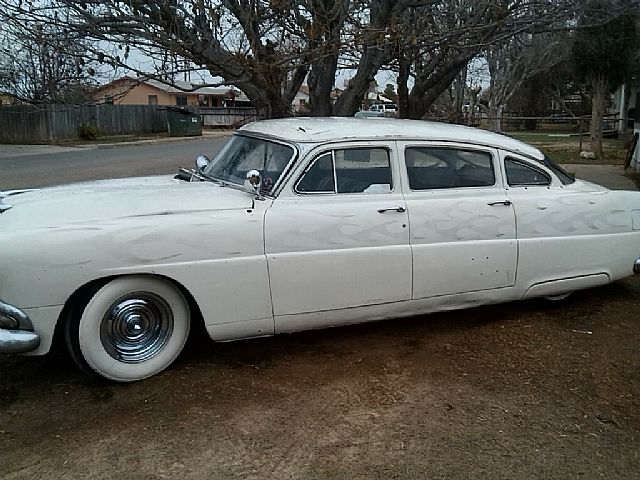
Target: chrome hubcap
x,y
136,327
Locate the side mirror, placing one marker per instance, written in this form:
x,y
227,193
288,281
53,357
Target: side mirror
x,y
253,181
201,162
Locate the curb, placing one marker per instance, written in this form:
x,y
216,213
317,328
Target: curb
x,y
154,141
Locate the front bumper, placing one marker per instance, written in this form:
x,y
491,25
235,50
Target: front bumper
x,y
16,331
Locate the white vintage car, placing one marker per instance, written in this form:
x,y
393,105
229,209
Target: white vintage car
x,y
300,224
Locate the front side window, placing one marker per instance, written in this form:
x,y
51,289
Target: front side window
x,y
242,154
438,167
523,174
319,178
351,170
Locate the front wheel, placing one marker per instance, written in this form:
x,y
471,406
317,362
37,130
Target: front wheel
x,y
130,329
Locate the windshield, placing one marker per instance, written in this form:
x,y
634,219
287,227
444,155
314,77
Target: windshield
x,y
242,154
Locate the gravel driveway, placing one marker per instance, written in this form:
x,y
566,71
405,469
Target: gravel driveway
x,y
523,390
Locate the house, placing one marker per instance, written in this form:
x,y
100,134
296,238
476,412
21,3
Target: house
x,y
618,102
301,100
9,99
131,91
300,103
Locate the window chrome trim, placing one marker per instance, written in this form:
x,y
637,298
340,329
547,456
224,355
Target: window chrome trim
x,y
309,167
335,174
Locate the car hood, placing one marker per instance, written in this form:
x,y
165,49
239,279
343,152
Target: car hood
x,y
107,200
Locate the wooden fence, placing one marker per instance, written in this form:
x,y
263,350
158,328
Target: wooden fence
x,y
227,117
53,123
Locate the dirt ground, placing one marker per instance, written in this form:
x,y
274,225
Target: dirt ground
x,y
524,390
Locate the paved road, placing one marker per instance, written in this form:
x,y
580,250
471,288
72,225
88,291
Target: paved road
x,y
43,166
611,176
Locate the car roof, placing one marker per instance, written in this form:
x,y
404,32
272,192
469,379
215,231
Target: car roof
x,y
325,129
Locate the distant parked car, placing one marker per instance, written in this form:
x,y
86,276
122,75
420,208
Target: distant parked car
x,y
383,107
368,114
298,224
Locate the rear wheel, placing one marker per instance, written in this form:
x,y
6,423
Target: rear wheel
x,y
129,329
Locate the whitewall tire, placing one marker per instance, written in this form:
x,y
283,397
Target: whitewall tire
x,y
129,329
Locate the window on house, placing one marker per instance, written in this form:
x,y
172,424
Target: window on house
x,y
181,100
153,99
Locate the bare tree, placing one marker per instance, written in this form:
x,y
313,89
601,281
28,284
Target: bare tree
x,y
267,48
254,45
42,64
513,62
602,56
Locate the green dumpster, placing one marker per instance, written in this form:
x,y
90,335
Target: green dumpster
x,y
183,123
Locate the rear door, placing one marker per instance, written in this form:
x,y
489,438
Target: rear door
x,y
462,225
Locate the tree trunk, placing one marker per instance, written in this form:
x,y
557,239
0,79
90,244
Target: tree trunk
x,y
351,99
600,87
428,87
266,97
321,79
460,86
495,119
403,89
626,100
373,57
328,17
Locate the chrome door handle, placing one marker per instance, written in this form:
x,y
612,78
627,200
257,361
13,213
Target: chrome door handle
x,y
500,202
394,209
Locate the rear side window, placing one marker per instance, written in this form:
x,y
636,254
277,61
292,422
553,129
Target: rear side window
x,y
433,168
522,174
564,177
352,170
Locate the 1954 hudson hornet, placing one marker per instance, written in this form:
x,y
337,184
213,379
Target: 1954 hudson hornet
x,y
300,224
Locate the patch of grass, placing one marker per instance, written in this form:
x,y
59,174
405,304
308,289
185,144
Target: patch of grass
x,y
565,149
547,137
112,139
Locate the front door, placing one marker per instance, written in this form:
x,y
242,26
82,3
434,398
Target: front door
x,y
337,236
463,229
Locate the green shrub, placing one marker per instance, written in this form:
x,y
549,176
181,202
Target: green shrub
x,y
88,132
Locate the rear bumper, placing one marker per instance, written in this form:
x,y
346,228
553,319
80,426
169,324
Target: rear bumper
x,y
16,331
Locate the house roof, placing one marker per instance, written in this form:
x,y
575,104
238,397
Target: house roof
x,y
187,88
379,97
180,87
